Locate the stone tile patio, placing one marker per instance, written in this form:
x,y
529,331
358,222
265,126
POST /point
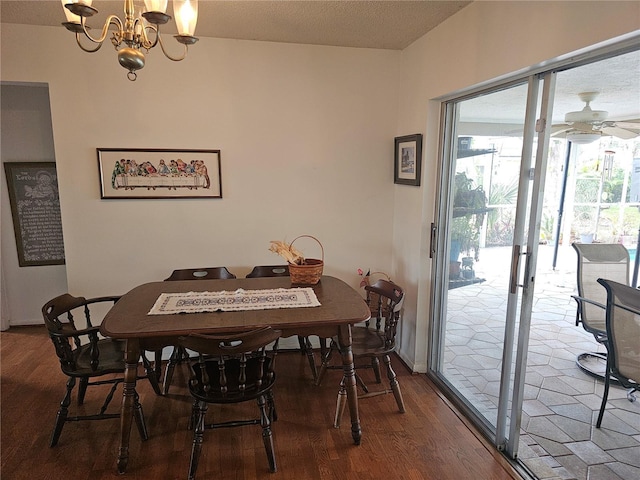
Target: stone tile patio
x,y
561,402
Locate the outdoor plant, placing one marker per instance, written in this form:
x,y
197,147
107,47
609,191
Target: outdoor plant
x,y
469,209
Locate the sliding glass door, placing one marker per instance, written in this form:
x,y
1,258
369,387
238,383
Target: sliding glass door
x,y
495,156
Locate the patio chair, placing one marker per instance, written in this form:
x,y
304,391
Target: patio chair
x,y
86,357
229,370
623,334
597,260
179,354
372,343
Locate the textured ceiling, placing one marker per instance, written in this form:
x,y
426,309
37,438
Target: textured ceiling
x,y
369,24
616,80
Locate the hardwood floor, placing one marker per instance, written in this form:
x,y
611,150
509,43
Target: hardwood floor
x,y
428,442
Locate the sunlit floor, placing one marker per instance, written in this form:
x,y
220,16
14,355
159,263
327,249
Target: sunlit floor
x,y
561,402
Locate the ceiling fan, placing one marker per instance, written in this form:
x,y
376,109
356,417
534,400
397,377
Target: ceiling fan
x,y
587,125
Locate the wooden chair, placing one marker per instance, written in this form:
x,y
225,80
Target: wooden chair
x,y
305,344
269,271
623,334
84,356
597,260
232,369
210,273
180,354
372,343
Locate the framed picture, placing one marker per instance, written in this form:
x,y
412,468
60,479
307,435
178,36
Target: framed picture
x,y
35,208
408,159
140,173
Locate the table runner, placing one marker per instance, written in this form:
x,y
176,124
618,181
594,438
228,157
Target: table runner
x,y
194,302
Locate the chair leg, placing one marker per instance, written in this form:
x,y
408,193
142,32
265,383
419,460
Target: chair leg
x,y
271,405
360,382
193,418
312,358
375,364
340,403
139,417
326,357
323,346
605,395
302,342
395,386
109,397
151,374
176,356
198,436
82,389
267,435
61,417
157,364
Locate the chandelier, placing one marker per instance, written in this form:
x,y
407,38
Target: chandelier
x,y
137,32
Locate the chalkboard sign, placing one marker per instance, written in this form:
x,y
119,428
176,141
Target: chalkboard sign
x,y
35,207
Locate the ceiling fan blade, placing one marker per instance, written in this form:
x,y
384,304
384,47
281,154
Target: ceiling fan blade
x,y
632,124
618,132
559,128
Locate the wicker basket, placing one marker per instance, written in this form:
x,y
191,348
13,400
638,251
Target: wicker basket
x,y
310,272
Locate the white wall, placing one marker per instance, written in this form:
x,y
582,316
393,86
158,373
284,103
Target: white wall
x,y
306,140
306,135
484,41
26,137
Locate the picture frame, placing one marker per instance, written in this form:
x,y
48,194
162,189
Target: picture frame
x,y
159,173
35,208
408,160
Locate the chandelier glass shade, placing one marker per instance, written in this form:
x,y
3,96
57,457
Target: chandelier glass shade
x,y
139,31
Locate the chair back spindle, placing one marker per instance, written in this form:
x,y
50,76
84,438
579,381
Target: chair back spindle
x,y
85,356
179,353
233,369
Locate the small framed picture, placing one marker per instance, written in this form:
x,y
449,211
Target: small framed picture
x,y
154,173
408,159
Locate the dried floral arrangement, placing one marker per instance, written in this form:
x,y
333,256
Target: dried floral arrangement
x,y
287,251
303,271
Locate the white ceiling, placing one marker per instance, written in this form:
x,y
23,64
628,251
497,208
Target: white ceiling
x,y
616,79
369,24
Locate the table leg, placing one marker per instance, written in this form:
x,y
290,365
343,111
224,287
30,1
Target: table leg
x,y
344,340
132,354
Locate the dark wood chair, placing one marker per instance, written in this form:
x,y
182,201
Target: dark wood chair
x,y
232,369
179,354
208,273
372,342
269,271
305,344
86,357
623,333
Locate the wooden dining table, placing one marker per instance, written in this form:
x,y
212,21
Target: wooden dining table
x,y
129,320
